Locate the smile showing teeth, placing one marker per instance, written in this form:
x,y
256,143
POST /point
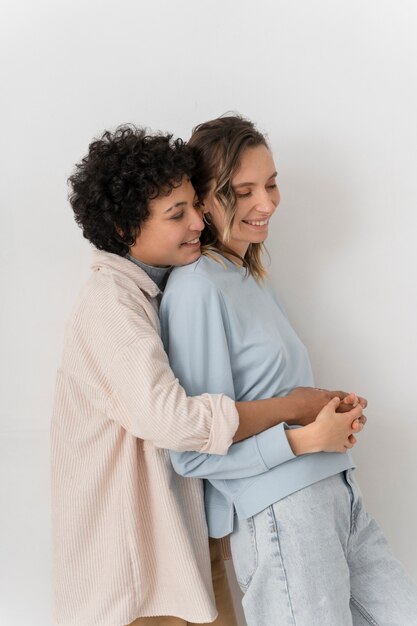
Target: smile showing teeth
x,y
256,223
191,241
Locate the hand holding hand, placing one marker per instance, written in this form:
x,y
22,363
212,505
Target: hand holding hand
x,y
332,431
351,401
305,403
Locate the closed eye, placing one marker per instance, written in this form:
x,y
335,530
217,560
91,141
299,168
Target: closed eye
x,y
178,216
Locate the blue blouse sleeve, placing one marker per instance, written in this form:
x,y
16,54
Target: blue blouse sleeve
x,y
194,326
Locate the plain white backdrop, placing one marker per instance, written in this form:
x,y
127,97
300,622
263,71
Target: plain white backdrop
x,y
334,85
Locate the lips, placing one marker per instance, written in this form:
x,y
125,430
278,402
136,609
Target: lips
x,y
256,222
191,242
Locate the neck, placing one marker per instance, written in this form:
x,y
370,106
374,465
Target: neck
x,y
148,262
228,251
158,274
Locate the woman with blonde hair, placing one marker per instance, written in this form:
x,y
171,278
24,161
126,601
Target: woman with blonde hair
x,y
305,550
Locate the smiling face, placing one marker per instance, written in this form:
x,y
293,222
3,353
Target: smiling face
x,y
171,234
257,197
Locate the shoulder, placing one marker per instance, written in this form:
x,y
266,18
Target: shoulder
x,y
112,308
195,291
111,289
203,276
205,266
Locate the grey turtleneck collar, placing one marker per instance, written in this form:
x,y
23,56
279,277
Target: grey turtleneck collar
x,y
159,275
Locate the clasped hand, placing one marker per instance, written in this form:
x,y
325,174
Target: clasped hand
x,y
320,407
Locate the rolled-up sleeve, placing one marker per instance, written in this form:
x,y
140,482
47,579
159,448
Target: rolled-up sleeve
x,y
150,403
251,457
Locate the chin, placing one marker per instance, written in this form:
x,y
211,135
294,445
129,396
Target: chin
x,y
259,239
195,256
190,258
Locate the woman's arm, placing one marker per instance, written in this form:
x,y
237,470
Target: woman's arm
x,y
195,333
331,432
251,457
301,407
195,337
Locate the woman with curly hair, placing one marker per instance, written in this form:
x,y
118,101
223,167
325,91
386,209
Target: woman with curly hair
x,y
305,550
130,536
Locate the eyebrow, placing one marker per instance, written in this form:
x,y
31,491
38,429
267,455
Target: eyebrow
x,y
175,206
179,205
249,184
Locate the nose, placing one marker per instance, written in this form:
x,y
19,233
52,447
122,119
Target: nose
x,y
196,222
267,203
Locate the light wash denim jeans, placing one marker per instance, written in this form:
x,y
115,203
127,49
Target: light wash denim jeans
x,y
316,558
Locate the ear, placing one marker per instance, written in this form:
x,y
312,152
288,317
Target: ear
x,y
121,234
119,231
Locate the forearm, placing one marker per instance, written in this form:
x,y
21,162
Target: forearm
x,y
148,402
251,457
304,440
300,407
259,415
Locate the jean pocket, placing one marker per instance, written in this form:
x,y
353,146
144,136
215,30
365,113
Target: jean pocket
x,y
353,485
357,510
348,480
244,551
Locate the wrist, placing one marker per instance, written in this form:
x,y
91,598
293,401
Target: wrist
x,y
290,408
303,440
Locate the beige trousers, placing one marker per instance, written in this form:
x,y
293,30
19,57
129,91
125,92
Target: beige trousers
x,y
226,616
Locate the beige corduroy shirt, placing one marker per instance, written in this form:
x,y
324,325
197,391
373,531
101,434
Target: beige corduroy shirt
x,y
130,536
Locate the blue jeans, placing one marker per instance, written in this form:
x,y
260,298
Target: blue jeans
x,y
316,558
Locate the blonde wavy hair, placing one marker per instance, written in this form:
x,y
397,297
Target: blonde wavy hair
x,y
217,146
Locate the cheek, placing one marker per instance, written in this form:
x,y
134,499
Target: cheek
x,y
218,222
177,236
241,208
241,213
169,235
277,197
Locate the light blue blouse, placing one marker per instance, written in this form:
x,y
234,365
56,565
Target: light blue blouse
x,y
226,332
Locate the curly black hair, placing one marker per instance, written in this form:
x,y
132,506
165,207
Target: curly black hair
x,y
112,186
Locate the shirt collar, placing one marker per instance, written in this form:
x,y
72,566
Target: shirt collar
x,y
157,274
115,262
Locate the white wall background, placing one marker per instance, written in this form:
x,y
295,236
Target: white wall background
x,y
334,83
